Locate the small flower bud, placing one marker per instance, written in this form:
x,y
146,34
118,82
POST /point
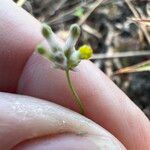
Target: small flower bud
x,y
46,30
72,40
54,42
41,49
75,30
45,53
85,52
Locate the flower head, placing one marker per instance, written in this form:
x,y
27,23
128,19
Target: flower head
x,y
65,56
85,52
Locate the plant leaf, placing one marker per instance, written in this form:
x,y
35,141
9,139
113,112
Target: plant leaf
x,y
141,67
79,12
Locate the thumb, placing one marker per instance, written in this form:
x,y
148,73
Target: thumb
x,y
24,118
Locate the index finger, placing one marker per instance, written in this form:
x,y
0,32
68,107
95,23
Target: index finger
x,y
19,33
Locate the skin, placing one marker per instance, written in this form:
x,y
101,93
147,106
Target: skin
x,y
40,121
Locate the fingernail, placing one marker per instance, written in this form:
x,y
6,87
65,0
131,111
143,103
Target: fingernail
x,y
70,142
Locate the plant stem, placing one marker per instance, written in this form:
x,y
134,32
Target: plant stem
x,y
76,97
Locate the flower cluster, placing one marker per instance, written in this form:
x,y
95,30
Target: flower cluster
x,y
64,57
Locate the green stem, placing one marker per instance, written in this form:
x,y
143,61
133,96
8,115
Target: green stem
x,y
76,97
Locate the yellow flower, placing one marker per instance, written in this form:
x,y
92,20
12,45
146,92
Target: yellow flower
x,y
85,52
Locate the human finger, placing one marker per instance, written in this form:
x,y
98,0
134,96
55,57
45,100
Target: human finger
x,y
23,118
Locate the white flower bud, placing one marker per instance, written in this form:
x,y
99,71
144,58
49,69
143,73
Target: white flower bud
x,y
72,40
46,31
54,42
44,52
